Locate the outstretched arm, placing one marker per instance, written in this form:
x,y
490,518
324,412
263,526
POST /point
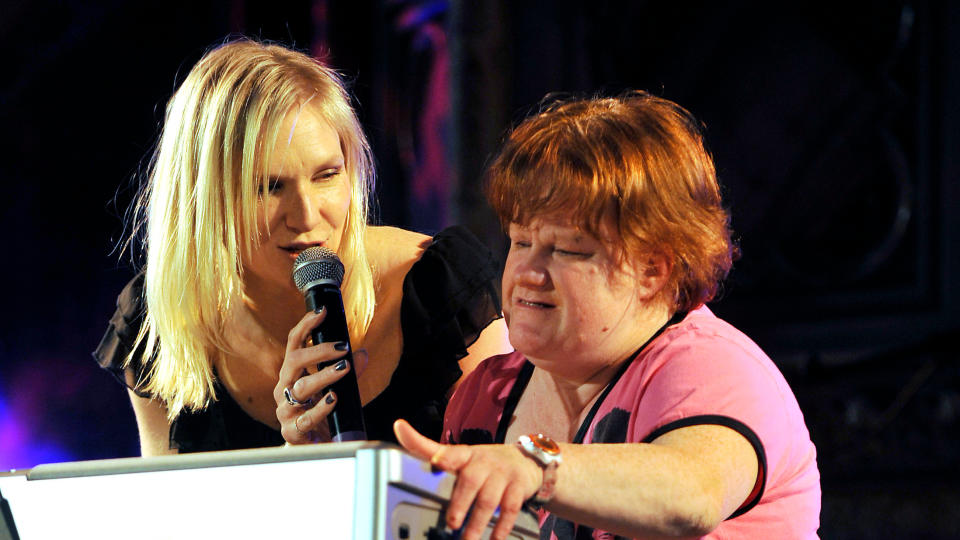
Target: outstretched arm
x,y
681,485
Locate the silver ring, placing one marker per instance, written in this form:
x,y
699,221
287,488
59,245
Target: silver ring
x,y
288,395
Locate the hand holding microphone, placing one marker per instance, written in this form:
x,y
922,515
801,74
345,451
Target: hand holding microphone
x,y
305,400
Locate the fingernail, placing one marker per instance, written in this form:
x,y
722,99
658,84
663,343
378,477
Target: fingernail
x,y
341,345
319,310
341,365
297,386
330,398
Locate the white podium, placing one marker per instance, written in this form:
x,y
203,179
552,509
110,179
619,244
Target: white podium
x,y
339,491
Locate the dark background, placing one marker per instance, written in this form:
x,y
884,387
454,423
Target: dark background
x,y
834,128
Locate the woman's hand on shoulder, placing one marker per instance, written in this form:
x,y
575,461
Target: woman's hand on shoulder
x,y
493,340
488,476
302,395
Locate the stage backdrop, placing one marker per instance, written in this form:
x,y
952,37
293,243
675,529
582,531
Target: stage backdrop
x,y
834,127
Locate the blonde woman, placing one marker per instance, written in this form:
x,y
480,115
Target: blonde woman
x,y
261,156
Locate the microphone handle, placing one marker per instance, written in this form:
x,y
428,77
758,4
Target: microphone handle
x,y
346,420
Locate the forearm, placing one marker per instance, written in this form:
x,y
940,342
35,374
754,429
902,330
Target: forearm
x,y
152,426
636,490
683,484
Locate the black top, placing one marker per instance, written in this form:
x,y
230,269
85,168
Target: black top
x,y
449,296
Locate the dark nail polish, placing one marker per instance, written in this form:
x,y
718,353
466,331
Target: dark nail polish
x,y
329,399
341,345
341,365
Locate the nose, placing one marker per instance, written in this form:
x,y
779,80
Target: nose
x,y
529,268
302,208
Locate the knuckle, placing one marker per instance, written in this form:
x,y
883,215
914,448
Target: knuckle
x,y
301,359
319,379
296,357
486,502
468,481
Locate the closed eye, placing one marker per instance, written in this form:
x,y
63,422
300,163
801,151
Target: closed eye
x,y
328,173
576,254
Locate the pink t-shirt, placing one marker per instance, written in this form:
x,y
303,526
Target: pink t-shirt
x,y
699,371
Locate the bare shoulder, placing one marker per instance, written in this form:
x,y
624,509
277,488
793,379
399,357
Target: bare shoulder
x,y
393,251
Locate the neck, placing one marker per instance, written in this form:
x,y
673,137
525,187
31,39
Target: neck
x,y
275,309
579,395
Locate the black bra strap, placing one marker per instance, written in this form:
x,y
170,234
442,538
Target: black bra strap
x,y
512,399
527,371
582,432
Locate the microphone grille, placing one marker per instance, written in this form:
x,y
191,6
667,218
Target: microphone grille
x,y
317,265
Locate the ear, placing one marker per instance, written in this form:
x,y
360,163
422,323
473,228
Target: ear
x,y
654,272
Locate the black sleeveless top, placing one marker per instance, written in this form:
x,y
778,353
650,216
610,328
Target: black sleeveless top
x,y
449,296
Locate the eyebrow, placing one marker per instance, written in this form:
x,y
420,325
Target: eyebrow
x,y
578,238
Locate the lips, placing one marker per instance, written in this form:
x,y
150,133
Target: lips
x,y
294,248
531,303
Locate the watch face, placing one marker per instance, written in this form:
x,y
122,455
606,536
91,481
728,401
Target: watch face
x,y
546,444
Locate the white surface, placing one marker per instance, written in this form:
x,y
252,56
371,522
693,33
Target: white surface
x,y
297,499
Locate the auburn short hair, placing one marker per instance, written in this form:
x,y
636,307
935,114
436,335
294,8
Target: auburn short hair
x,y
641,155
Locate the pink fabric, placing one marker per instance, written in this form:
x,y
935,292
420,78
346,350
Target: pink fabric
x,y
700,366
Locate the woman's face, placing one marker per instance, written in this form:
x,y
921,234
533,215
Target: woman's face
x,y
572,305
307,201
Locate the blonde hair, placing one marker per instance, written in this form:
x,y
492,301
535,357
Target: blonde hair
x,y
199,206
639,154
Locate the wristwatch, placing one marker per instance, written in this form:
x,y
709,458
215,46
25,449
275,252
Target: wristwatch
x,y
546,453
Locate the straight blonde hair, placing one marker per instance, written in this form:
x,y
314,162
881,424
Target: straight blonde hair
x,y
199,206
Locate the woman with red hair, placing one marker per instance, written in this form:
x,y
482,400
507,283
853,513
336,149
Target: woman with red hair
x,y
628,408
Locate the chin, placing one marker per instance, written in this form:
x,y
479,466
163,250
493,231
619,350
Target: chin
x,y
532,350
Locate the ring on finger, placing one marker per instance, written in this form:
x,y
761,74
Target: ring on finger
x,y
288,395
435,459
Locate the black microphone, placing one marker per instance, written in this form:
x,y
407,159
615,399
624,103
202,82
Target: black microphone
x,y
318,272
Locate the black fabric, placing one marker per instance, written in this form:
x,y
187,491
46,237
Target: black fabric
x,y
613,427
513,399
449,296
122,334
